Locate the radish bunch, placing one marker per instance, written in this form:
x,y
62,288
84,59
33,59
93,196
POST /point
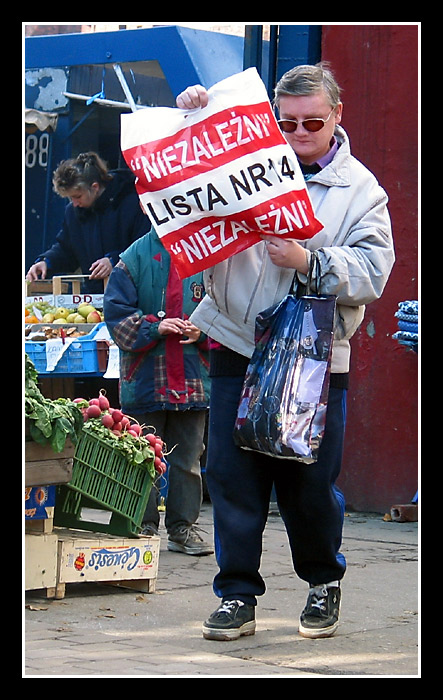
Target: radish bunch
x,y
122,426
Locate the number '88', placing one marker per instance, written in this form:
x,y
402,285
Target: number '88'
x,y
37,149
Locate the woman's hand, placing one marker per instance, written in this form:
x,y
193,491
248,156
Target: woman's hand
x,y
192,333
36,271
285,252
178,325
100,268
192,97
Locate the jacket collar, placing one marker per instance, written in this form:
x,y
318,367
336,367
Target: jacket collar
x,y
337,172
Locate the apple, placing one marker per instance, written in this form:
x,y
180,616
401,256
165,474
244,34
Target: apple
x,y
78,318
62,312
93,317
48,318
71,317
85,310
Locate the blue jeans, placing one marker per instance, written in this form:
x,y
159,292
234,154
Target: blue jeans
x,y
240,483
186,430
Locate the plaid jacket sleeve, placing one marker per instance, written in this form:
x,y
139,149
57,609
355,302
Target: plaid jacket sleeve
x,y
130,329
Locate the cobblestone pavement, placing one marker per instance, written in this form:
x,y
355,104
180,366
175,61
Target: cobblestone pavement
x,y
103,631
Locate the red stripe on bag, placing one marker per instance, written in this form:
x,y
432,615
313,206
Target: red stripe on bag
x,y
212,143
203,243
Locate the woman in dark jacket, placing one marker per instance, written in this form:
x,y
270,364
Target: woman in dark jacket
x,y
102,219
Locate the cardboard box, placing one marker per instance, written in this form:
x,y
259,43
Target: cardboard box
x,y
86,557
39,502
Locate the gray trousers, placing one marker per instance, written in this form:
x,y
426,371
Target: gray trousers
x,y
185,430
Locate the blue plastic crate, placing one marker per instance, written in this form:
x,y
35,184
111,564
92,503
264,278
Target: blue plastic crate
x,y
80,358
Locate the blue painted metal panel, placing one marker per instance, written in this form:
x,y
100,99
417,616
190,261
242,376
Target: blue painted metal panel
x,y
186,56
43,208
297,44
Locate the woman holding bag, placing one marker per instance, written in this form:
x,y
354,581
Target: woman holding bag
x,y
355,254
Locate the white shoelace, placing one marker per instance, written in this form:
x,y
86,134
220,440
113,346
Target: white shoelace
x,y
229,605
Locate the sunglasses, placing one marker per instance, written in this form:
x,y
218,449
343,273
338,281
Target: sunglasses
x,y
290,125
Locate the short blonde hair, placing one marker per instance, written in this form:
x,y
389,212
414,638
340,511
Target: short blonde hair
x,y
307,80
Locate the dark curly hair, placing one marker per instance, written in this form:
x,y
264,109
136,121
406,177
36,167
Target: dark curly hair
x,y
80,172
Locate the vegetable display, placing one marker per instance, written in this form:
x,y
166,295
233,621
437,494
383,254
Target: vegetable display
x,y
53,421
50,421
122,433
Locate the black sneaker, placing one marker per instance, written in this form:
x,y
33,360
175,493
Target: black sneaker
x,y
321,613
231,620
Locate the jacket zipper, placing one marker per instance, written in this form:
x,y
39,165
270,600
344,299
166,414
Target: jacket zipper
x,y
257,285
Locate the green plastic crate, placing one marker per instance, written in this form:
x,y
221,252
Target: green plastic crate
x,y
103,480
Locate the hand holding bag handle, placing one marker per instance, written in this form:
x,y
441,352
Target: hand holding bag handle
x,y
312,285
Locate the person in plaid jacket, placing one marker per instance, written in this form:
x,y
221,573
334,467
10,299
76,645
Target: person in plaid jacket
x,y
164,380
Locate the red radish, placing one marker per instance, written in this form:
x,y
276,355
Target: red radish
x,y
78,400
151,438
158,449
93,411
94,402
116,432
103,402
133,433
159,465
136,428
117,415
117,426
125,422
107,420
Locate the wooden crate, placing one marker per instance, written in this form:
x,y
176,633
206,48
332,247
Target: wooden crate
x,y
41,559
45,468
108,559
44,287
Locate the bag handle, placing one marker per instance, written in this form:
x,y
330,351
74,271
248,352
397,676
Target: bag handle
x,y
307,289
310,283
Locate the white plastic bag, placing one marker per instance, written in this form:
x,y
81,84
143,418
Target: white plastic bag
x,y
212,180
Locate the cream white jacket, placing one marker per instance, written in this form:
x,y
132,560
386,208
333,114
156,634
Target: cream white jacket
x,y
355,250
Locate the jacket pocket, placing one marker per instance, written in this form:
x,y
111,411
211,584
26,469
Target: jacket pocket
x,y
347,321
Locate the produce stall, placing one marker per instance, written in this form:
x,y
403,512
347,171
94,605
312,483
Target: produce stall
x,y
88,474
65,333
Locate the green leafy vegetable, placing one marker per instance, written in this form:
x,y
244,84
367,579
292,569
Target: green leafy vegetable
x,y
50,421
